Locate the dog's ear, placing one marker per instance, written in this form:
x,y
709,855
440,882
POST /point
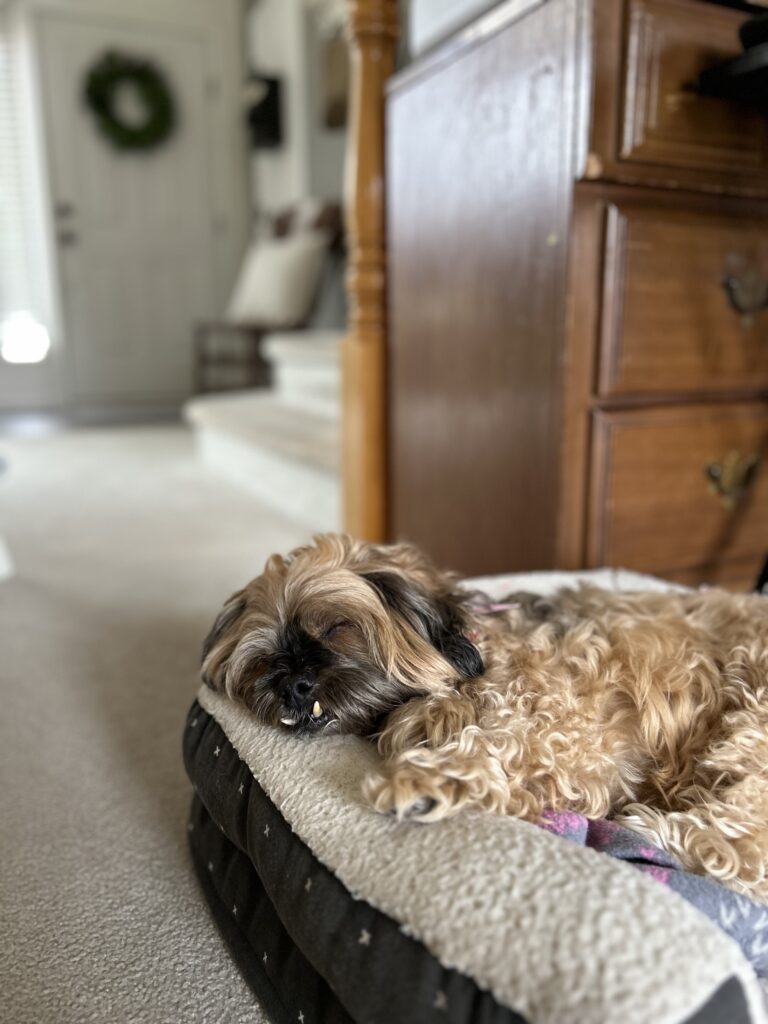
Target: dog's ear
x,y
218,646
439,619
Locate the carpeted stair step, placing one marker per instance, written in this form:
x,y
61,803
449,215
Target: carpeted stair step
x,y
286,455
306,369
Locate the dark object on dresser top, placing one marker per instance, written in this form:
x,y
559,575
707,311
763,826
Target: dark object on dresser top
x,y
744,79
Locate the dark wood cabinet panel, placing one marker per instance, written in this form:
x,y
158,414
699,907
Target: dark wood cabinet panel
x,y
578,295
478,217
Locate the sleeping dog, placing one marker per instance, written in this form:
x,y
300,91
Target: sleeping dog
x,y
649,707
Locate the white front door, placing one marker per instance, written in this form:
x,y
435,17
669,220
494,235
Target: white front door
x,y
133,230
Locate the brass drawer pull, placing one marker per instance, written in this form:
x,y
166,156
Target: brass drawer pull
x,y
731,478
746,286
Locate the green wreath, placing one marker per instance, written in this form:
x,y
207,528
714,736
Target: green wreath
x,y
102,84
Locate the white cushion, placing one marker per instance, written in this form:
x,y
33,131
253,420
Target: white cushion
x,y
278,280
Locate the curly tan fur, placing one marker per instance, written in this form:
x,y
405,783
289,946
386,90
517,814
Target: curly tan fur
x,y
652,708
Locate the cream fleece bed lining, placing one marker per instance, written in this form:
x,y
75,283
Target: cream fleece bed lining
x,y
556,932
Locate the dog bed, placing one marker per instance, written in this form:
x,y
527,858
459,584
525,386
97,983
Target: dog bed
x,y
337,914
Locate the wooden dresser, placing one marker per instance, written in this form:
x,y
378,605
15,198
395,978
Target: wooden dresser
x,y
577,272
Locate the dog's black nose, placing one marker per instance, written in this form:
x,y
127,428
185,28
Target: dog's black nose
x,y
300,687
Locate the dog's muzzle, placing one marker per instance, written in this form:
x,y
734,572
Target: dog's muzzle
x,y
297,702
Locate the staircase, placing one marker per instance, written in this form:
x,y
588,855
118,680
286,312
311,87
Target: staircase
x,y
282,443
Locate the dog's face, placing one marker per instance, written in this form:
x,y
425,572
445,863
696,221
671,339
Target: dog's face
x,y
337,635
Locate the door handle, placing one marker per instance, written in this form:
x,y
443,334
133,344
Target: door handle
x,y
731,477
63,209
745,285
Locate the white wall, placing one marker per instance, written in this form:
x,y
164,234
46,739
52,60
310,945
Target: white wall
x,y
433,20
276,47
282,40
327,149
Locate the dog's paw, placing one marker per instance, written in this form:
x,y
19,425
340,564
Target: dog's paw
x,y
399,797
421,808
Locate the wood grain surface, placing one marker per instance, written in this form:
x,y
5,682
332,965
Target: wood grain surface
x,y
652,505
478,180
668,44
668,323
373,28
648,125
564,357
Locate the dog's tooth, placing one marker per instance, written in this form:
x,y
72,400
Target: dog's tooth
x,y
316,709
288,721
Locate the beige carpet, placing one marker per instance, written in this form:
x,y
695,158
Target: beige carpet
x,y
123,547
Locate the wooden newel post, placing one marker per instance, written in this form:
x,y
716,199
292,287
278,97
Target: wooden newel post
x,y
372,32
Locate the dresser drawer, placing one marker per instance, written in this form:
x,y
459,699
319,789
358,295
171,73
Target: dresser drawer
x,y
683,298
649,123
653,506
738,575
668,44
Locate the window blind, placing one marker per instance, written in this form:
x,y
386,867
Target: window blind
x,y
23,338
14,250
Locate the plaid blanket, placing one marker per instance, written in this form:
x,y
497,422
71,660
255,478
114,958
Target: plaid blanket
x,y
740,917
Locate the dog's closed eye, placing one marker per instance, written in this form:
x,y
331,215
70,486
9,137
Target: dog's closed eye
x,y
338,629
